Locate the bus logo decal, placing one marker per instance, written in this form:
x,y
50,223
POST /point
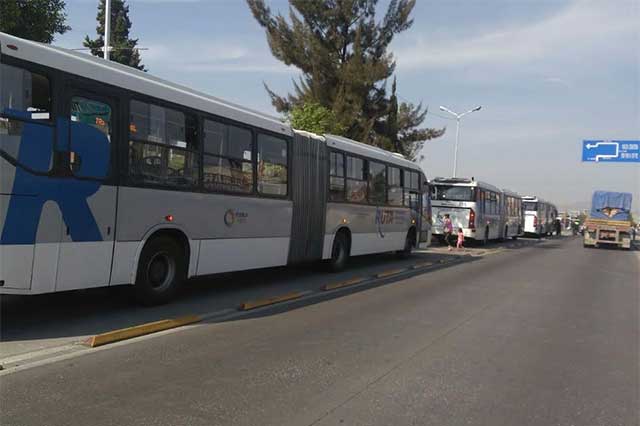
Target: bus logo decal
x,y
31,191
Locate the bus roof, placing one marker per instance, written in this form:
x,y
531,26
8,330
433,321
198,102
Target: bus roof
x,y
535,199
359,148
129,78
113,73
464,182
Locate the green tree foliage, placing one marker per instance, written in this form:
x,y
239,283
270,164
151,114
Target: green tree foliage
x,y
315,118
37,20
402,127
342,51
124,48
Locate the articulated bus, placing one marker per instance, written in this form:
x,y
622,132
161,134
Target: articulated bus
x,y
539,216
483,211
110,176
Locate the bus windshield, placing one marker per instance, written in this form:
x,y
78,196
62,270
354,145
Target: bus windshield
x,y
529,206
453,193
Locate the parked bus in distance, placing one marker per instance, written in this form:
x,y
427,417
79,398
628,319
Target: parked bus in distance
x,y
111,176
472,205
513,214
539,216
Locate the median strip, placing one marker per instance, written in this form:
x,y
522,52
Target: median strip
x,y
139,330
421,265
247,306
389,273
341,284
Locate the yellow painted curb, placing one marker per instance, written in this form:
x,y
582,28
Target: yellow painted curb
x,y
422,265
389,273
343,284
270,301
139,330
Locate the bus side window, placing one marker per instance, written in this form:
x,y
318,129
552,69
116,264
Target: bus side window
x,y
163,145
25,96
394,189
356,184
336,176
272,165
227,164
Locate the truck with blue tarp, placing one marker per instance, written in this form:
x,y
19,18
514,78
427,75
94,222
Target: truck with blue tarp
x,y
609,221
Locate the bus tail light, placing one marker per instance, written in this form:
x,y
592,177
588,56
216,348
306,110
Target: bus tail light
x,y
472,219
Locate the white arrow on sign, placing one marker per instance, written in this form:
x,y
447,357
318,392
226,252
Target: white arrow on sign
x,y
604,156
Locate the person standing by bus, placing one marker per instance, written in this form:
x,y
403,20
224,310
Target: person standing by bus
x,y
460,239
448,230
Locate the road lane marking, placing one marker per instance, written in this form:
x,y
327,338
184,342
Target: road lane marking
x,y
390,273
139,330
341,284
270,301
421,265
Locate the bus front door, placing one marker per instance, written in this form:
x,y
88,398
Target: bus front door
x,y
88,193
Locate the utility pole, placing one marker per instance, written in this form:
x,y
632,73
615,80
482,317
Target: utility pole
x,y
107,28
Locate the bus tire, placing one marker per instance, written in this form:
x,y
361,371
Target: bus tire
x,y
161,269
409,244
339,252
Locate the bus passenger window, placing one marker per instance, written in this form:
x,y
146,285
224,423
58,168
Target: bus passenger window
x,y
395,186
356,185
377,183
272,165
163,146
93,113
24,95
227,158
336,176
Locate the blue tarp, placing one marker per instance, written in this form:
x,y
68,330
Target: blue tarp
x,y
611,205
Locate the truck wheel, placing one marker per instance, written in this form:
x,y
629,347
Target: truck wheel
x,y
161,269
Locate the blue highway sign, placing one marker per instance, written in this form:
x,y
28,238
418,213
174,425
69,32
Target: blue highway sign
x,y
605,151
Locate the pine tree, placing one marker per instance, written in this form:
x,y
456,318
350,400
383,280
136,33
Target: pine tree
x,y
402,133
342,51
37,20
124,48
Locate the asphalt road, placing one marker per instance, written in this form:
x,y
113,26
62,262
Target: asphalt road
x,y
543,335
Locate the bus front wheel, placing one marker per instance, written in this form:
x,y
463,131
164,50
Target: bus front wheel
x,y
161,269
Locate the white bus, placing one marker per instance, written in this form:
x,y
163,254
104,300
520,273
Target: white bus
x,y
539,216
111,176
513,214
472,205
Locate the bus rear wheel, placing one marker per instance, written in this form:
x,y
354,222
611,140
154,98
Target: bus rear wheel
x,y
161,270
339,253
409,244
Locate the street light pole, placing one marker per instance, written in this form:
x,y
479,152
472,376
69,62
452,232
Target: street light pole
x,y
455,152
107,27
458,117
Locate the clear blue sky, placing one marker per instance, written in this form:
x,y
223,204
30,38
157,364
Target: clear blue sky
x,y
548,74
